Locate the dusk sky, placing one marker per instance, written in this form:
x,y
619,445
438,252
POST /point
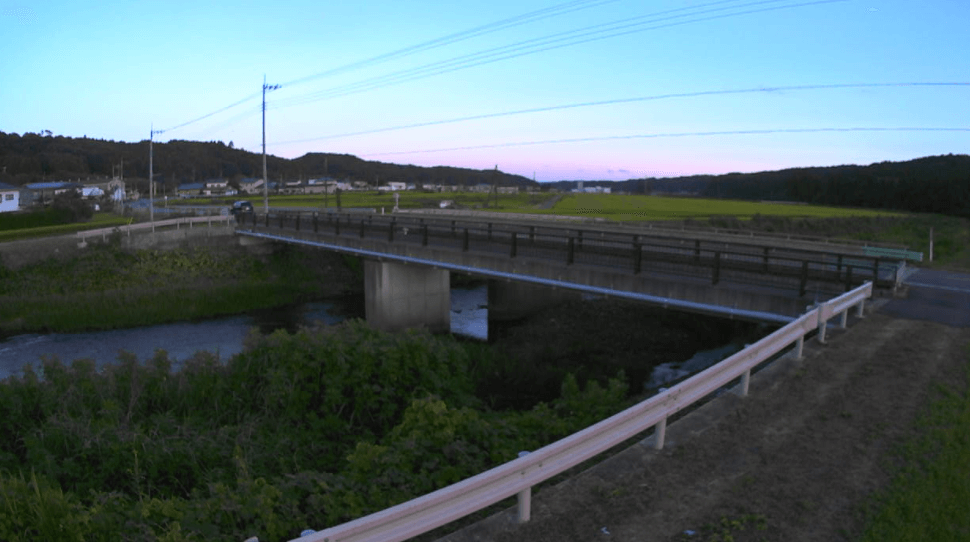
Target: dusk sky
x,y
820,82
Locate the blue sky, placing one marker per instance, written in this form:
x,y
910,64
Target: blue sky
x,y
112,69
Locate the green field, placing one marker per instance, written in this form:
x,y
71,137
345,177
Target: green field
x,y
99,220
634,208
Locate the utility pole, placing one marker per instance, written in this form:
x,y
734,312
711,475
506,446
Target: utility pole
x,y
265,177
151,186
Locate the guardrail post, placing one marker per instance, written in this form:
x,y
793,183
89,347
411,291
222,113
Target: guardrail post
x,y
514,248
839,268
697,251
579,238
875,272
267,219
336,225
745,383
717,268
281,220
766,258
297,222
799,347
424,235
524,500
860,312
848,278
570,251
490,232
844,321
659,433
821,327
362,226
316,223
532,234
637,258
802,288
390,232
464,243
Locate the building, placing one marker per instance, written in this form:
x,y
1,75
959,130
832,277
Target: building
x,y
43,193
215,187
189,190
248,185
9,198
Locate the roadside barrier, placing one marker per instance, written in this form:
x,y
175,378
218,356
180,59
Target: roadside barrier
x,y
177,222
517,477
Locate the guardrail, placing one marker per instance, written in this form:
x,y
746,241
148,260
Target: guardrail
x,y
517,477
632,253
177,222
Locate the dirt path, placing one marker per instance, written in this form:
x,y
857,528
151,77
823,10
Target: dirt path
x,y
793,461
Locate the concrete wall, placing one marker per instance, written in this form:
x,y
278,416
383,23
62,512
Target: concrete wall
x,y
509,300
399,296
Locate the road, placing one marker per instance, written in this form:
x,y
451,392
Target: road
x,y
795,460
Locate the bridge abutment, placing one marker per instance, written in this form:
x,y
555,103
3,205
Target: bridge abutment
x,y
399,296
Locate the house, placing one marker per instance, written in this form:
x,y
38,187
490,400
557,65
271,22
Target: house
x,y
92,192
508,189
248,185
9,198
41,193
215,187
189,190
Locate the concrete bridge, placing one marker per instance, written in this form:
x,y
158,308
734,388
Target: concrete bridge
x,y
536,263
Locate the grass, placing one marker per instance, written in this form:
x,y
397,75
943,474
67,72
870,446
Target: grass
x,y
638,208
928,499
378,200
99,220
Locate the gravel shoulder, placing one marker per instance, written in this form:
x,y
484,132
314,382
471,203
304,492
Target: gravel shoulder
x,y
798,459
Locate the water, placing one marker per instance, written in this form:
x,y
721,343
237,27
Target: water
x,y
668,373
221,336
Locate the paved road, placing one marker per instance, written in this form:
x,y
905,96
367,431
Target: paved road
x,y
935,296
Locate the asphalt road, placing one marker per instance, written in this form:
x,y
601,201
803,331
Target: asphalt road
x,y
934,296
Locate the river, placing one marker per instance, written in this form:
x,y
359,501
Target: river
x,y
221,336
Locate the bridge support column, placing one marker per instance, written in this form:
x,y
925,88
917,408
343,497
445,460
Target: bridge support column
x,y
399,296
514,300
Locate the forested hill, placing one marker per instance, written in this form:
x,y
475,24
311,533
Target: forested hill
x,y
936,184
33,157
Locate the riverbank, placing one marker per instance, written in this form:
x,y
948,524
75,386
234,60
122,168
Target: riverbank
x,y
107,287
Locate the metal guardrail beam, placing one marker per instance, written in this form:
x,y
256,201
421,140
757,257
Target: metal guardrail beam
x,y
425,513
157,224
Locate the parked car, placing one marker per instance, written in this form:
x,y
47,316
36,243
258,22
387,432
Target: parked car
x,y
240,207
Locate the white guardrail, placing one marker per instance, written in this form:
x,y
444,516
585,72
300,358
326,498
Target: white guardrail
x,y
177,222
517,477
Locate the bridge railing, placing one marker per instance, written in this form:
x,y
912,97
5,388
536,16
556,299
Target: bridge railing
x,y
633,253
518,476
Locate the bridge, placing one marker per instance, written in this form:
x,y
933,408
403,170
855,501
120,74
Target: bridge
x,y
534,262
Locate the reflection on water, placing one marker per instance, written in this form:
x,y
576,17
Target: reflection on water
x,y
221,336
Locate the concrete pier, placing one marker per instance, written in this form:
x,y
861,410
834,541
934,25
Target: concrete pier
x,y
399,296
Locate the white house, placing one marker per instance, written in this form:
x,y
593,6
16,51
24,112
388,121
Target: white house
x,y
9,198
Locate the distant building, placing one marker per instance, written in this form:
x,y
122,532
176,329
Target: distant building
x,y
43,193
215,187
189,190
9,198
248,185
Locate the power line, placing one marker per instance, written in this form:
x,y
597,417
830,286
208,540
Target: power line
x,y
533,16
628,100
554,41
518,20
675,134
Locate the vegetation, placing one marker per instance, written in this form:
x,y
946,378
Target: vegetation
x,y
300,430
408,200
25,228
107,287
927,500
636,208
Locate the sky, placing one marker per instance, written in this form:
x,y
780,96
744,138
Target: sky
x,y
550,89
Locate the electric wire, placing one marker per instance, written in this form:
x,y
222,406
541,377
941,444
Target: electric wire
x,y
518,20
615,101
545,43
676,135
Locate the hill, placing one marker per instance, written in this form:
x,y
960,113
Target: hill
x,y
33,157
